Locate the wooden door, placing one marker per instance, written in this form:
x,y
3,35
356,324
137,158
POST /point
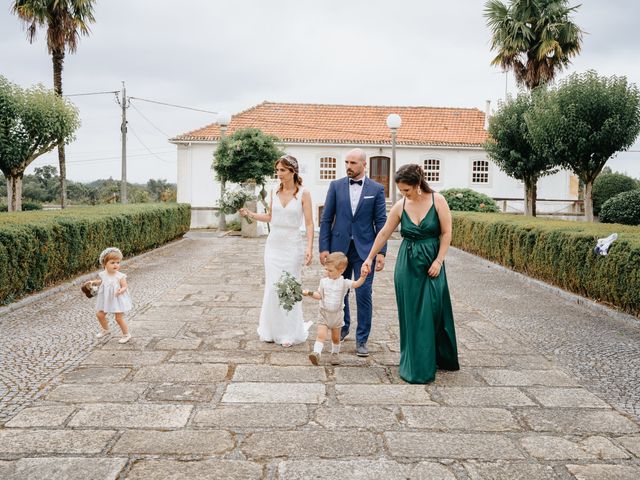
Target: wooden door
x,y
379,171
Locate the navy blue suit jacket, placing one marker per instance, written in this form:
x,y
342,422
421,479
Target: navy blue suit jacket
x,y
338,225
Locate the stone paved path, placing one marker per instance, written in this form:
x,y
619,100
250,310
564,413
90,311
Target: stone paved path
x,y
196,395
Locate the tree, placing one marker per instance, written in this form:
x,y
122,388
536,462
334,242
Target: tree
x,y
246,155
534,38
583,122
509,146
65,21
32,122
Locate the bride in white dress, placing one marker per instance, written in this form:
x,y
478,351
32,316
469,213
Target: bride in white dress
x,y
285,250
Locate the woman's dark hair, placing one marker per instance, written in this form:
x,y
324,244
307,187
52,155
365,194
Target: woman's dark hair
x,y
413,175
290,163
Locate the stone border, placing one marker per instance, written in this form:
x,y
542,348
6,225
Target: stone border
x,y
28,300
572,297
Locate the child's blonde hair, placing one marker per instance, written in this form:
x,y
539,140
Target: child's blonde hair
x,y
337,259
109,253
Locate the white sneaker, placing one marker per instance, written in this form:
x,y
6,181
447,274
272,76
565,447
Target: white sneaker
x,y
125,338
103,333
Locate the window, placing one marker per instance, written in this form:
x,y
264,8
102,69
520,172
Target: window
x,y
480,171
432,170
327,168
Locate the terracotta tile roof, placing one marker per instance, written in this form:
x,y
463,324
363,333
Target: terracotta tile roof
x,y
354,124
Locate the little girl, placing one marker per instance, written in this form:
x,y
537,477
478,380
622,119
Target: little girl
x,y
113,295
331,294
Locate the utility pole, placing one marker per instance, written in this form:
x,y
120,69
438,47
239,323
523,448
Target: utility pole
x,y
123,131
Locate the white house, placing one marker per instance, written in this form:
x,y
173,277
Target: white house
x,y
447,142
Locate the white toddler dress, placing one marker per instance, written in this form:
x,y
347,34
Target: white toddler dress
x,y
106,299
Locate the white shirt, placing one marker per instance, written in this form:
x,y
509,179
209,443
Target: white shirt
x,y
355,191
333,292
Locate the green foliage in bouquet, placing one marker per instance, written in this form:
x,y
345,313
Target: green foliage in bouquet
x,y
289,291
234,200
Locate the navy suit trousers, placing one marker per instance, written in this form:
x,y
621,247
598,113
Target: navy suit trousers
x,y
363,296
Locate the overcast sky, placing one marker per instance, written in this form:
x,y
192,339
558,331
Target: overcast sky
x,y
231,55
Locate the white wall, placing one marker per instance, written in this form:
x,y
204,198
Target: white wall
x,y
196,184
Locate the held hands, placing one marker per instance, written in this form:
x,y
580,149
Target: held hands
x,y
365,270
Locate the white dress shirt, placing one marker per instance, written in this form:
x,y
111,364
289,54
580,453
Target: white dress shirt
x,y
355,191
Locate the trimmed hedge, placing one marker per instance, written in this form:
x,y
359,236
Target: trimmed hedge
x,y
39,249
608,185
558,252
623,208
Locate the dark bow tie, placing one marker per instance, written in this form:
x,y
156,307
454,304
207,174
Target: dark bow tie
x,y
352,181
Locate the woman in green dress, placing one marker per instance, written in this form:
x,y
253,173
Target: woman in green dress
x,y
427,332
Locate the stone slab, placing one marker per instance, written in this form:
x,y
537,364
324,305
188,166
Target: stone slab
x,y
169,372
460,418
291,358
383,394
72,442
317,443
352,375
360,416
451,445
177,344
292,374
274,393
48,416
566,397
181,392
178,442
96,392
361,470
600,472
96,375
502,470
252,416
147,329
195,470
568,421
631,443
502,377
70,468
471,358
131,416
482,396
124,357
216,356
547,447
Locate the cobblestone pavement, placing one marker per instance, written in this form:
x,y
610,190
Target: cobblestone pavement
x,y
196,395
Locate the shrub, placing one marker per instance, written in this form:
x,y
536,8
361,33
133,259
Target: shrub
x,y
467,200
26,206
38,249
609,185
623,208
558,252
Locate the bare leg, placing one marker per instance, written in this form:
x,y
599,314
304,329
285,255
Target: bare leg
x,y
122,323
335,335
102,318
321,334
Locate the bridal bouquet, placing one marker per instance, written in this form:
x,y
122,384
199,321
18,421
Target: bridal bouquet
x,y
289,291
234,200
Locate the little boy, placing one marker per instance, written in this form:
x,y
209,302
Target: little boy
x,y
331,294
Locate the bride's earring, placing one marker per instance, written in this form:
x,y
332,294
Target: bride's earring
x,y
419,191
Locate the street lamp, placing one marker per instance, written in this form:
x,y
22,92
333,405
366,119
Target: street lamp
x,y
224,119
393,122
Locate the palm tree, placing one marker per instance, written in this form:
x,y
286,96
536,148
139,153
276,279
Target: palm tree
x,y
65,21
534,38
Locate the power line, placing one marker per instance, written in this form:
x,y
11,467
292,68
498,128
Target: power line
x,y
172,105
148,149
92,93
150,122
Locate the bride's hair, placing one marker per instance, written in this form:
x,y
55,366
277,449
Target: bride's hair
x,y
290,163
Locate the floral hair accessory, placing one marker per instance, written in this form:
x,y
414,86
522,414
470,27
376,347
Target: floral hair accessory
x,y
291,161
107,251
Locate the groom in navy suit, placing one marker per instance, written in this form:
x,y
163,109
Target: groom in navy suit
x,y
354,212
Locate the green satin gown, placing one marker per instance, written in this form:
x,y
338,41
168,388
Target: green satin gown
x,y
427,333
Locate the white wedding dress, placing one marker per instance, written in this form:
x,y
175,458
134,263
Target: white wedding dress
x,y
284,251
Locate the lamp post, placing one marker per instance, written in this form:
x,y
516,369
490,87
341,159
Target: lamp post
x,y
393,122
224,119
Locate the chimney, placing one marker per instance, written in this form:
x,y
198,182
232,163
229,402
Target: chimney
x,y
487,114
